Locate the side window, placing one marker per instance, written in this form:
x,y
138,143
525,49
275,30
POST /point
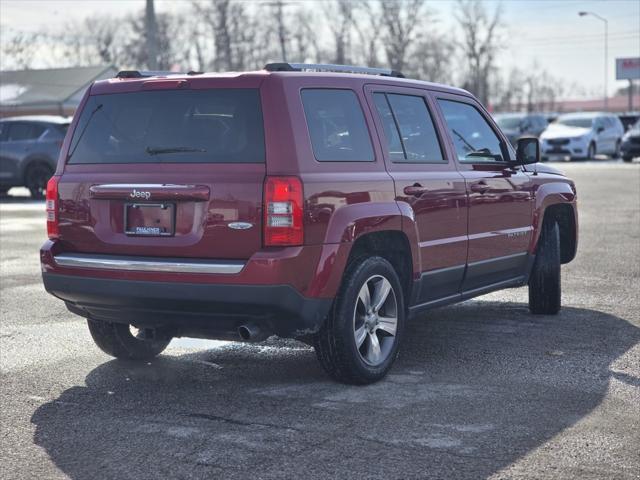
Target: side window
x,y
409,129
336,125
4,131
473,137
25,131
394,144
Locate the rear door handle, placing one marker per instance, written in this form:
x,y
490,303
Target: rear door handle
x,y
480,187
415,190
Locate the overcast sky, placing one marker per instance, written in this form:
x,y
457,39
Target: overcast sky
x,y
547,32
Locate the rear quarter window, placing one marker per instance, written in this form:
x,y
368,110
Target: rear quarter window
x,y
337,127
170,126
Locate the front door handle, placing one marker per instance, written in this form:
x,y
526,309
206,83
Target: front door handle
x,y
415,190
480,187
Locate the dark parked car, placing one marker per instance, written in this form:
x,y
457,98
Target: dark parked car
x,y
631,143
518,125
29,148
326,207
629,119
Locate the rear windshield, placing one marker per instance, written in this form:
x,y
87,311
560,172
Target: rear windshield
x,y
170,126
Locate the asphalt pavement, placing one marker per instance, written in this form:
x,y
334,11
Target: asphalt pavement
x,y
480,390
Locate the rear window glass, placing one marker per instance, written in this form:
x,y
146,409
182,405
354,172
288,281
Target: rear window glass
x,y
336,125
170,126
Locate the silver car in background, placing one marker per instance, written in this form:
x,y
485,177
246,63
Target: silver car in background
x,y
29,148
582,135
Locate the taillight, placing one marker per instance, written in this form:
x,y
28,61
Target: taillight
x,y
52,207
283,211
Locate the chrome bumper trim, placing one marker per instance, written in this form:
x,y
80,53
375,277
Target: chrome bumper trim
x,y
107,262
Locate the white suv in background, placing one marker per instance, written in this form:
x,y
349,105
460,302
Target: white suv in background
x,y
582,135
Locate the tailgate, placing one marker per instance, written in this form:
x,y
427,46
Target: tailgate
x,y
171,173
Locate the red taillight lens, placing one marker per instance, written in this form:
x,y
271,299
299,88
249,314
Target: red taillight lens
x,y
283,211
52,207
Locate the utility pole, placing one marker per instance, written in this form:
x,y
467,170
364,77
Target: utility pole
x,y
606,53
151,32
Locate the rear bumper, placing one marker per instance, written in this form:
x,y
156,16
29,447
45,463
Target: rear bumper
x,y
191,309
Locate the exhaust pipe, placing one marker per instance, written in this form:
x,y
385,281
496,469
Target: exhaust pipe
x,y
251,333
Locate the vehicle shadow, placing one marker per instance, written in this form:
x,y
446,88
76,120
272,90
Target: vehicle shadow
x,y
477,386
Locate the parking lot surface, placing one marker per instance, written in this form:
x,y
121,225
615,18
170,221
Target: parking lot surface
x,y
480,390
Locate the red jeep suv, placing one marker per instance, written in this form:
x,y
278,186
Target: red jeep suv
x,y
319,202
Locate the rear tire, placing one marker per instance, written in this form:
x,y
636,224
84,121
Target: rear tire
x,y
117,340
36,179
545,290
360,338
627,159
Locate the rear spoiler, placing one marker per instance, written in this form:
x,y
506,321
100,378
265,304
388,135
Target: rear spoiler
x,y
152,73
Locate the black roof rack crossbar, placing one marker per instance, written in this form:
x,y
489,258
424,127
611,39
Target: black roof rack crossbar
x,y
325,67
150,73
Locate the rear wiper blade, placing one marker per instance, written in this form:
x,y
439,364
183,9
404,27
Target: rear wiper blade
x,y
159,151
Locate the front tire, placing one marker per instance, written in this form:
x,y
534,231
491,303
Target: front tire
x,y
627,159
591,151
545,290
359,341
117,340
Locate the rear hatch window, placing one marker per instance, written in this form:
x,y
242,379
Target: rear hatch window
x,y
170,126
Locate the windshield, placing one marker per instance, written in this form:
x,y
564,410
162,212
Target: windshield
x,y
170,126
509,123
582,122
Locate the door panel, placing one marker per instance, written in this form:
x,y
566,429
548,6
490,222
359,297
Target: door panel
x,y
500,195
426,179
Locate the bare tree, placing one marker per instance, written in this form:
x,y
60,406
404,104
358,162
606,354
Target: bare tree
x,y
341,13
304,40
431,58
217,16
281,30
18,49
399,21
368,26
480,44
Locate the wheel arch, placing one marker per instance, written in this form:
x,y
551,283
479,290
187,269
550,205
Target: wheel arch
x,y
393,246
557,202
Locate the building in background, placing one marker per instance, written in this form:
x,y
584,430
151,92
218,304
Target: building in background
x,y
53,91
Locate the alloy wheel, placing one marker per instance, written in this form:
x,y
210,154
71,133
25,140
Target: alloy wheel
x,y
375,320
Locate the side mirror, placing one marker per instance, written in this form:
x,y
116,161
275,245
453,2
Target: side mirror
x,y
528,151
600,129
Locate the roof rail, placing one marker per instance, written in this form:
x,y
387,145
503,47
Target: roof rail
x,y
150,73
327,67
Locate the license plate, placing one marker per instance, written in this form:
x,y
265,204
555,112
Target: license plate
x,y
557,158
149,219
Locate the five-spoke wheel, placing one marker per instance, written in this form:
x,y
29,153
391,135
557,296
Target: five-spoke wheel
x,y
375,320
359,341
